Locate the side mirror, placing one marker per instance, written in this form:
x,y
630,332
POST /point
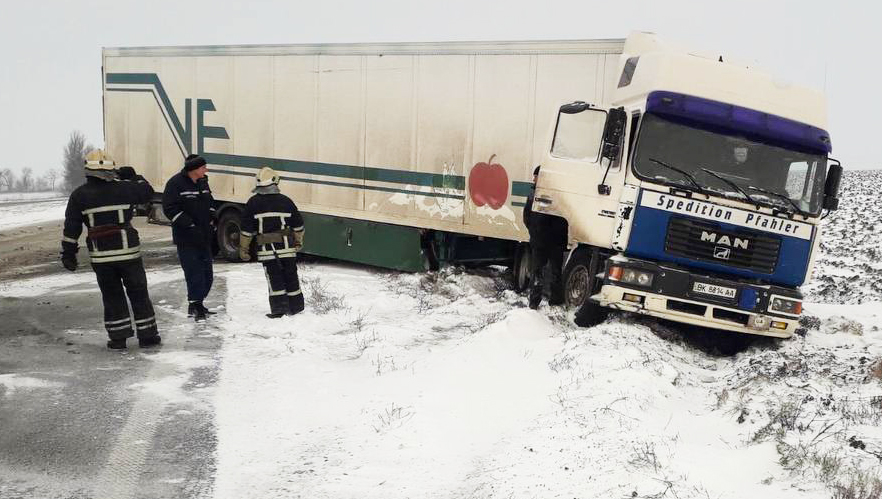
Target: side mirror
x,y
831,186
612,133
575,107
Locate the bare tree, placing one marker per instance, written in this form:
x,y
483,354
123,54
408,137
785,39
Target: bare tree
x,y
26,181
50,178
7,179
74,154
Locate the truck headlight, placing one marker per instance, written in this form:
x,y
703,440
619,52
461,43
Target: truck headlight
x,y
785,305
637,277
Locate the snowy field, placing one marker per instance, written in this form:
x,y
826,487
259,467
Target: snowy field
x,y
14,197
444,385
20,209
849,268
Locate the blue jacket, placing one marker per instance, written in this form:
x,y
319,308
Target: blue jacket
x,y
190,208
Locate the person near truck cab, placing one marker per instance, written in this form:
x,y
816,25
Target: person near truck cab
x,y
548,241
272,220
105,204
188,204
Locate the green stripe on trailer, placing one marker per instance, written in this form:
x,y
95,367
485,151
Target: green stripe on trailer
x,y
521,188
372,243
342,184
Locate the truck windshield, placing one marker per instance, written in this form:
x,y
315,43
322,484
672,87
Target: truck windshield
x,y
730,165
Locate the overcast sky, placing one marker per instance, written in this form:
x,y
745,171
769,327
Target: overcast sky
x,y
50,51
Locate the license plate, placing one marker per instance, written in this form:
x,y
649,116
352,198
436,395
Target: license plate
x,y
714,290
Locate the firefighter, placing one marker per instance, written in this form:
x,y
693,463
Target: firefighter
x,y
188,203
548,241
275,224
105,204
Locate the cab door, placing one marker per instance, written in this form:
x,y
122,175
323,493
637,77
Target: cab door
x,y
581,177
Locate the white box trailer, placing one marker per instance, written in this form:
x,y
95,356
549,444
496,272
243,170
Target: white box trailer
x,y
394,151
693,186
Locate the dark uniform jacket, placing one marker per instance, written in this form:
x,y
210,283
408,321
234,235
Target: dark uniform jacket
x,y
272,213
106,208
190,208
545,230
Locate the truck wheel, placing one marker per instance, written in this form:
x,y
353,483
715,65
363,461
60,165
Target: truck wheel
x,y
228,229
590,314
580,282
520,274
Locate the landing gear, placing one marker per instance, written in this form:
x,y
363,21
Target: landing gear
x,y
580,283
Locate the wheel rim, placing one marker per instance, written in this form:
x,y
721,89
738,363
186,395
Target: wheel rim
x,y
577,286
231,237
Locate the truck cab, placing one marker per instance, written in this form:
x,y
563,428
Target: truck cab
x,y
695,195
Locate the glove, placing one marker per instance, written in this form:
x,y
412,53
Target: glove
x,y
126,173
69,261
298,240
244,248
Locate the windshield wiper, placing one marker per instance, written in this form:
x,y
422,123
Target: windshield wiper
x,y
732,184
688,176
780,196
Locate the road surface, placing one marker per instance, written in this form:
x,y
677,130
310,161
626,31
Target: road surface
x,y
80,421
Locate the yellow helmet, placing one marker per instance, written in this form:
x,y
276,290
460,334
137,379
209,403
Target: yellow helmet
x,y
266,176
97,159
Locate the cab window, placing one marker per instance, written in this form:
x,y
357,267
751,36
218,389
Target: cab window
x,y
578,135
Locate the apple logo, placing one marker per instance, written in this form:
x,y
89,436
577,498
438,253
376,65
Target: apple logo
x,y
488,184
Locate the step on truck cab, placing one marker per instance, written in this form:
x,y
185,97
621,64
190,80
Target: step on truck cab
x,y
694,195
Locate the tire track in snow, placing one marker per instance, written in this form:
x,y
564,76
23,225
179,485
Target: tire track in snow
x,y
120,475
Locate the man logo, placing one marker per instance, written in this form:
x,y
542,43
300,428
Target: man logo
x,y
722,252
734,242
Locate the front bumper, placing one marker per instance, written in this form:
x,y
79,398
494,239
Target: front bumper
x,y
673,296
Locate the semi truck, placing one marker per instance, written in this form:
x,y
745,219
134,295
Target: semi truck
x,y
693,186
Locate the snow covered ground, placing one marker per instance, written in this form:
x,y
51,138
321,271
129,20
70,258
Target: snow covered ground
x,y
17,212
849,268
445,385
9,197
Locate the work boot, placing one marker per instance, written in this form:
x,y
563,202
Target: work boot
x,y
191,309
198,314
204,310
275,316
149,341
294,310
118,344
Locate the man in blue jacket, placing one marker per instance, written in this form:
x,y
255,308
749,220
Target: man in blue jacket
x,y
187,202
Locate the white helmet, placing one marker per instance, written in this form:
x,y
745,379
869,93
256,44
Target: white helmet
x,y
97,159
266,176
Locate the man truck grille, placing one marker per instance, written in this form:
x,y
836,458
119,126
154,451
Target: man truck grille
x,y
706,241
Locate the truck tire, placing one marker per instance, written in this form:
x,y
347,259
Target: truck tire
x,y
520,271
228,228
580,282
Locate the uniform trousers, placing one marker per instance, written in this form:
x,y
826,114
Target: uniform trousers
x,y
122,283
540,257
285,296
